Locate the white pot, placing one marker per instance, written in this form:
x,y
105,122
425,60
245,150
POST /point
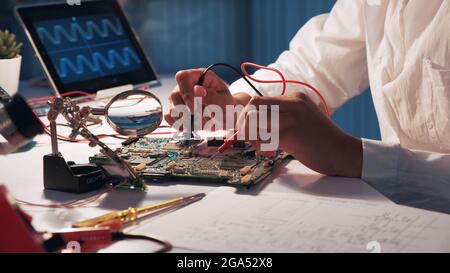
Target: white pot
x,y
10,74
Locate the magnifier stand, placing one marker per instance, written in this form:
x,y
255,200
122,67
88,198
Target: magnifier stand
x,y
79,178
65,176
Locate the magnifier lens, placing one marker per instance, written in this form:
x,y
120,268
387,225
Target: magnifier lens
x,y
134,113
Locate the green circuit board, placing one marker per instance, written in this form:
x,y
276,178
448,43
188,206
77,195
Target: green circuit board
x,y
175,159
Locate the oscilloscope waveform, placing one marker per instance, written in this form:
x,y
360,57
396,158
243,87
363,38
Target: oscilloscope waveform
x,y
97,61
73,32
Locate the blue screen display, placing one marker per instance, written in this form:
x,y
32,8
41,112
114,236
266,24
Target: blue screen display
x,y
87,47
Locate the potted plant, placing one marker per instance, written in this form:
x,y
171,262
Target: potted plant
x,y
10,62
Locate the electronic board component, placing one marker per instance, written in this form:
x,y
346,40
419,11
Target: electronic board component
x,y
170,159
140,167
214,142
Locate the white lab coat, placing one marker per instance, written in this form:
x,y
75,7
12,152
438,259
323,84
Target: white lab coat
x,y
401,49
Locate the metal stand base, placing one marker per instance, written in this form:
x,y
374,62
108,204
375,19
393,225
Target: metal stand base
x,y
65,176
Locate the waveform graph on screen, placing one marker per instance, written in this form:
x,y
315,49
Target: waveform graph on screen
x,y
76,30
87,47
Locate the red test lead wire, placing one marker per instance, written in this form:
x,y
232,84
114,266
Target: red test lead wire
x,y
282,81
228,143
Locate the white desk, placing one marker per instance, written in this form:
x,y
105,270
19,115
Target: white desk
x,y
22,173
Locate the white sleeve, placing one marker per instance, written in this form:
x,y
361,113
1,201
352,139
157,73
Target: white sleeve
x,y
409,177
328,52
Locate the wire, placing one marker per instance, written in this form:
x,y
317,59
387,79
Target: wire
x,y
166,246
202,77
100,136
282,81
245,76
76,203
82,93
43,100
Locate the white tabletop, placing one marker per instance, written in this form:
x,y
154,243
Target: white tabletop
x,y
22,173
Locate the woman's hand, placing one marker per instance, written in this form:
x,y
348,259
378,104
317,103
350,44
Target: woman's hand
x,y
308,135
214,91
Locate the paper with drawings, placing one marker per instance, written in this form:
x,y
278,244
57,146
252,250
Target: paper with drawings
x,y
290,222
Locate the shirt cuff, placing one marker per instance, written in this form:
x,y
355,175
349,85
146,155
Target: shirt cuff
x,y
380,163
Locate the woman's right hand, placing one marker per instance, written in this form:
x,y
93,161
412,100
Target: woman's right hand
x,y
214,91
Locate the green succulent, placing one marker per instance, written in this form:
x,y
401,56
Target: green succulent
x,y
9,48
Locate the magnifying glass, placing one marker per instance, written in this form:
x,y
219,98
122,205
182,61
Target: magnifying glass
x,y
134,113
